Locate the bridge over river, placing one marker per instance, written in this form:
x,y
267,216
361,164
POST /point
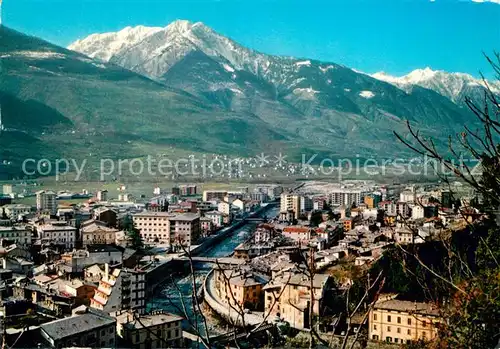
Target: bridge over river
x,y
214,260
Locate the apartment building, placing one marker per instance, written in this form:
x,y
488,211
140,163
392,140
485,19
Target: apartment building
x,y
239,287
185,229
185,190
119,290
294,302
91,329
346,197
209,195
154,331
13,211
102,195
58,233
46,202
306,204
168,227
21,235
290,202
301,235
398,321
216,217
389,207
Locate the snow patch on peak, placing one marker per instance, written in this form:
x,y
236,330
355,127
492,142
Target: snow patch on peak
x,y
306,93
327,68
228,68
182,26
450,85
105,46
367,94
303,63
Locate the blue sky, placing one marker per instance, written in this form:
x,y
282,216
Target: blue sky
x,y
393,36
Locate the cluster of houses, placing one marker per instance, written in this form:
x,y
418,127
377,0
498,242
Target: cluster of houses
x,y
317,231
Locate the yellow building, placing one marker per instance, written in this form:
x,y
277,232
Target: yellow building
x,y
369,202
348,223
398,321
293,304
245,287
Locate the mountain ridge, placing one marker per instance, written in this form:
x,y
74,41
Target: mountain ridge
x,y
211,97
449,84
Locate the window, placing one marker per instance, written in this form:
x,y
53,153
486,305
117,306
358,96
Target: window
x,y
388,328
388,318
424,334
374,327
424,323
396,340
375,337
409,321
374,316
388,339
398,330
409,331
399,319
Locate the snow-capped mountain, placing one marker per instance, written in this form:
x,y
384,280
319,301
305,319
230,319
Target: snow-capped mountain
x,y
322,102
455,86
153,51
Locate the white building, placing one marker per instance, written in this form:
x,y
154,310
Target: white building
x,y
168,227
46,201
224,207
20,234
102,195
14,211
417,212
216,217
346,197
58,233
290,202
407,196
7,189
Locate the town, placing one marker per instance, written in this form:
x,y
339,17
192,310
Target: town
x,y
87,274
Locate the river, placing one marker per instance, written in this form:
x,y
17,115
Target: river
x,y
168,297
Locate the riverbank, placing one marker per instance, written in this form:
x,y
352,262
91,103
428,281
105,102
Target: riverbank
x,y
160,270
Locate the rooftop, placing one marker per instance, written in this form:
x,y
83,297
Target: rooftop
x,y
146,321
72,326
407,306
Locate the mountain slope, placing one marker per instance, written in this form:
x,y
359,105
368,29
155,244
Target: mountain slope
x,y
91,108
326,104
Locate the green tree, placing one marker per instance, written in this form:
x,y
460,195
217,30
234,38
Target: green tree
x,y
133,233
316,219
